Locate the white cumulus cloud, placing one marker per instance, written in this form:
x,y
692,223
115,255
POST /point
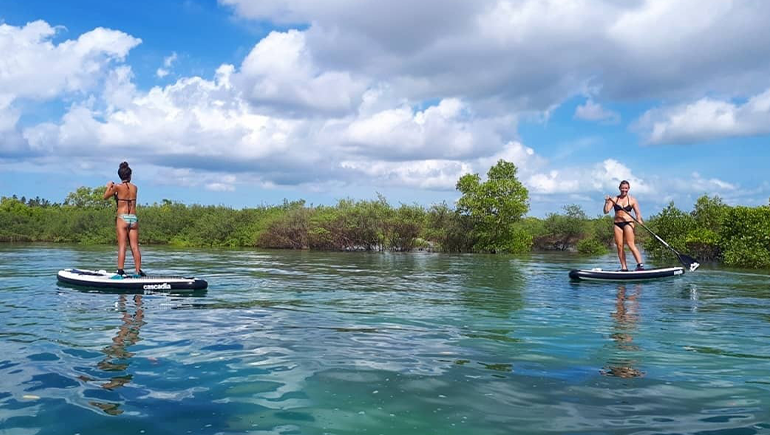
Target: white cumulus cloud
x,y
31,66
279,73
448,130
535,53
604,176
707,119
395,94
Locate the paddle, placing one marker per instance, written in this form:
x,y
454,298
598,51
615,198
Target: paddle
x,y
686,260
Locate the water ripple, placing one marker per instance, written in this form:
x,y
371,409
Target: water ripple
x,y
344,343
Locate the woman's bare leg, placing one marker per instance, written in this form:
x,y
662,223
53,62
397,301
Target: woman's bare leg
x,y
628,232
133,237
619,244
120,229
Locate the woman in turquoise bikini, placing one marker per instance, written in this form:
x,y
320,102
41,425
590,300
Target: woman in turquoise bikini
x,y
127,224
623,205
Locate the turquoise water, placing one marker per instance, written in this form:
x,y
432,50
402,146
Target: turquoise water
x,y
348,343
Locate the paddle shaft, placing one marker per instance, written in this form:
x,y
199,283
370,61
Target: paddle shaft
x,y
651,232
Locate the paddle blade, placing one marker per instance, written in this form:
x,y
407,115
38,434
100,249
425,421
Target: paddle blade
x,y
689,262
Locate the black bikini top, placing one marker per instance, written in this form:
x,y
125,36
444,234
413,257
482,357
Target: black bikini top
x,y
626,208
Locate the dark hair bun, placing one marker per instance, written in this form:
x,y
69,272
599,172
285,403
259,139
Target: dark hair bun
x,y
124,172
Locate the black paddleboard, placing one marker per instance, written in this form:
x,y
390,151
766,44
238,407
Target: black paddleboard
x,y
100,279
631,275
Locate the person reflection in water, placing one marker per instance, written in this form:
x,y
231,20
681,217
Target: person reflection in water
x,y
626,317
117,356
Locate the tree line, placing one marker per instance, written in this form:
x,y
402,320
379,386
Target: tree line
x,y
489,217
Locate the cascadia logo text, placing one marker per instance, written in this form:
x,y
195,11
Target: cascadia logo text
x,y
164,286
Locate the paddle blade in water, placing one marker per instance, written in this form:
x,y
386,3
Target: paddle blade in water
x,y
690,262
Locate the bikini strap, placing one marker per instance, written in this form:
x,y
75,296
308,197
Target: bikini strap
x,y
121,199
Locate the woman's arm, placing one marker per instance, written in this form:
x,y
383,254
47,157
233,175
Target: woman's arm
x,y
110,190
607,204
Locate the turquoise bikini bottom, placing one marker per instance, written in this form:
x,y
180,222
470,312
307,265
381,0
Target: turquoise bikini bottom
x,y
129,219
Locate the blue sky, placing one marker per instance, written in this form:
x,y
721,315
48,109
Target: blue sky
x,y
241,102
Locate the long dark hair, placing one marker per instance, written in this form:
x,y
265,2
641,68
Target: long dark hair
x,y
124,172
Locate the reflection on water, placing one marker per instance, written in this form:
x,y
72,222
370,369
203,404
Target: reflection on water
x,y
493,285
117,357
626,317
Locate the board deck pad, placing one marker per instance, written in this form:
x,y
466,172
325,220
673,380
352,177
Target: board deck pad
x,y
597,274
101,279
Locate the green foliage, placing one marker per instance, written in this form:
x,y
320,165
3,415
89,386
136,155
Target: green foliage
x,y
351,225
449,230
528,231
745,237
672,225
493,206
161,222
212,226
326,229
288,230
533,226
488,219
703,243
519,241
14,216
404,226
563,231
573,230
14,206
85,197
591,246
709,213
602,229
365,223
739,236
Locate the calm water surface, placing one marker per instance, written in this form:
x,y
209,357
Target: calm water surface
x,y
333,343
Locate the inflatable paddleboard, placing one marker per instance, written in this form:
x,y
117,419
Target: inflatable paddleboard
x,y
100,279
631,275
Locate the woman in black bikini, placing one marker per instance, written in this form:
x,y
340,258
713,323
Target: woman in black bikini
x,y
127,225
623,204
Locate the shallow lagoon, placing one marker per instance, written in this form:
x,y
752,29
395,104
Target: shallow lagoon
x,y
311,343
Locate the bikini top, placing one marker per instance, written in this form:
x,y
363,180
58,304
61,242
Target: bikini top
x,y
626,208
129,201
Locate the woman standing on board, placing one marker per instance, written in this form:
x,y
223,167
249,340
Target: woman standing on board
x,y
624,224
127,224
